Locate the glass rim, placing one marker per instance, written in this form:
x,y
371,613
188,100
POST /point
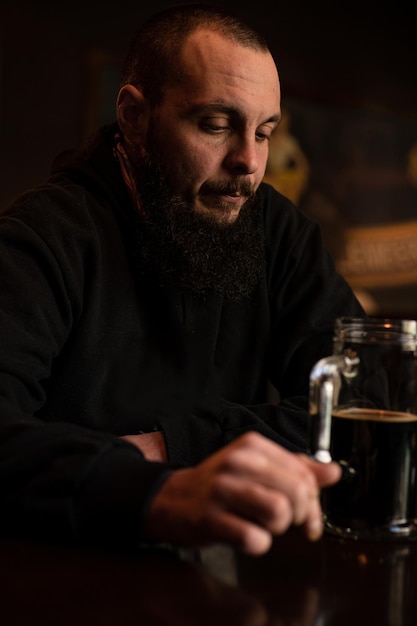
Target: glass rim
x,y
387,324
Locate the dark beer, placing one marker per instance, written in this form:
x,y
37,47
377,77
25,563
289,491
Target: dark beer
x,y
377,493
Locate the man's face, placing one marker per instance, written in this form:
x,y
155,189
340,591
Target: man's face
x,y
212,129
197,171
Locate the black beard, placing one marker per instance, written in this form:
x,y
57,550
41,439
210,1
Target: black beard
x,y
177,246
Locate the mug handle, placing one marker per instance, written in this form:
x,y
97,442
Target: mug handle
x,y
324,391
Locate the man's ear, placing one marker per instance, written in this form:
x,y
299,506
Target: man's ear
x,y
132,112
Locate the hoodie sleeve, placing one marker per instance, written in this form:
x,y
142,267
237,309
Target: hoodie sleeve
x,y
59,480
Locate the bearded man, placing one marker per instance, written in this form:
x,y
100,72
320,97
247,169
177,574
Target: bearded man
x,y
153,292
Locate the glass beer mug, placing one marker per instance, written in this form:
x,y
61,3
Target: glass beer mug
x,y
363,408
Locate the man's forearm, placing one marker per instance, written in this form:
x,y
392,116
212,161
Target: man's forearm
x,y
152,445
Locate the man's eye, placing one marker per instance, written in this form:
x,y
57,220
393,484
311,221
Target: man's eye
x,y
264,134
262,137
214,127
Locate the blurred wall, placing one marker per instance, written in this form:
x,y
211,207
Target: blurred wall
x,y
326,52
59,64
338,55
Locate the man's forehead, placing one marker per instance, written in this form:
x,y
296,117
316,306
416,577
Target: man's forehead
x,y
206,48
209,55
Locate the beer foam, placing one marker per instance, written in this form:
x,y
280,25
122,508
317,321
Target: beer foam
x,y
375,415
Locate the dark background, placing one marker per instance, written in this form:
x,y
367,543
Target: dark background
x,y
56,58
349,53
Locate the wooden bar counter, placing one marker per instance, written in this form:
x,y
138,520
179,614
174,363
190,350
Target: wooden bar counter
x,y
298,583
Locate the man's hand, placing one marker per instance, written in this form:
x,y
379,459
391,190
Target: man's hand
x,y
242,495
152,445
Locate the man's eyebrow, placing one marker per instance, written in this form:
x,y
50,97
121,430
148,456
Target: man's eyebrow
x,y
227,109
274,118
215,107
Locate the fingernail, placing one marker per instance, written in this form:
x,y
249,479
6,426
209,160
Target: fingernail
x,y
314,530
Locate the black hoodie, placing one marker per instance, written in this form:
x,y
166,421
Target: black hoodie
x,y
89,352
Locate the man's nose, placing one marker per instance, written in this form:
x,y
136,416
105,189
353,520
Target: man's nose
x,y
243,157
